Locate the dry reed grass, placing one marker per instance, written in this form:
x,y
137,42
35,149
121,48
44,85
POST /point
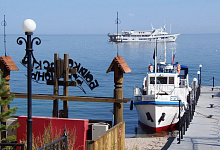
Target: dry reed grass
x,y
48,137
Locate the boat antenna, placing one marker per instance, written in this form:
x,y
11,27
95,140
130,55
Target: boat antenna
x,y
170,28
155,67
172,56
152,26
4,23
117,21
164,26
165,47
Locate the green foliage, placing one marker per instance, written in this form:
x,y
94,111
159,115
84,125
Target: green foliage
x,y
5,102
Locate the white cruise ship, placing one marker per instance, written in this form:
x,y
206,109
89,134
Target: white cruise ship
x,y
143,36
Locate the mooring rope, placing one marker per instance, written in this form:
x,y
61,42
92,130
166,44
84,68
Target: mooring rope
x,y
207,116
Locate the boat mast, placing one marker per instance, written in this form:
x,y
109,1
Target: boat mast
x,y
155,67
170,28
172,56
117,22
4,23
165,47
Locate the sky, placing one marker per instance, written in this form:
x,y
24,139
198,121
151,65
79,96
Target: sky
x,y
98,16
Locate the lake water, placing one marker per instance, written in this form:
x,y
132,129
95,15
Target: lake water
x,y
95,53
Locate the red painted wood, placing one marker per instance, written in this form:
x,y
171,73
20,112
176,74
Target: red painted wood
x,y
39,123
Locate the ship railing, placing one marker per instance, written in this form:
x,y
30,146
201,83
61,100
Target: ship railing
x,y
147,98
137,91
183,83
161,87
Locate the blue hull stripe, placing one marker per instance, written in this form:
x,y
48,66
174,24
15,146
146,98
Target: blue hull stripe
x,y
158,103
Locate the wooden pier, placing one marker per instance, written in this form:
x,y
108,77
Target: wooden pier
x,y
204,130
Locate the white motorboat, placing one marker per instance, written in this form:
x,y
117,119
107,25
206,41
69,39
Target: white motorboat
x,y
158,103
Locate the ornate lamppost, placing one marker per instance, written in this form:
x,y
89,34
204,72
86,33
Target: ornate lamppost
x,y
200,66
198,73
29,27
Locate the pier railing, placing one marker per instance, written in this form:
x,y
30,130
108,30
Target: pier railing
x,y
185,120
114,138
61,144
12,145
213,83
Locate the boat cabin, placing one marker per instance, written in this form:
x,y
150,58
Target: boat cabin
x,y
168,77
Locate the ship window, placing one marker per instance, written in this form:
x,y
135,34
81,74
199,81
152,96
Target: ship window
x,y
171,80
151,80
160,80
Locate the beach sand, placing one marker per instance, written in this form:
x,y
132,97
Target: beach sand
x,y
149,143
145,143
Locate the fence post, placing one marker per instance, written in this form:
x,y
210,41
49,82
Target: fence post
x,y
65,87
56,86
194,94
189,110
66,142
213,83
179,125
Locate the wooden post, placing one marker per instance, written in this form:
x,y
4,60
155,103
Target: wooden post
x,y
119,66
118,94
55,87
65,87
6,76
6,65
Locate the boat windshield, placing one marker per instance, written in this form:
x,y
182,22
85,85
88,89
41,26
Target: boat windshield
x,y
162,80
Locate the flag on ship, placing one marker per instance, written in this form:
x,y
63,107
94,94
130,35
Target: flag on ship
x,y
173,58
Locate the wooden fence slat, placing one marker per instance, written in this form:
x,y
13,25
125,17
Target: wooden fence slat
x,y
72,98
114,139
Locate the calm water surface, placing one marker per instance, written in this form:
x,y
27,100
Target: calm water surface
x,y
95,53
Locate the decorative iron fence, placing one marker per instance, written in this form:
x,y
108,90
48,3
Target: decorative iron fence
x,y
13,145
60,144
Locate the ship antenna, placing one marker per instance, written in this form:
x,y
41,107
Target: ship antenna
x,y
117,21
155,68
4,23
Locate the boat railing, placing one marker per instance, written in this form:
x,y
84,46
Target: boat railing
x,y
183,83
172,91
137,91
160,87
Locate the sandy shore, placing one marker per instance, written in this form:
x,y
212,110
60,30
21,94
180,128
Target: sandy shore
x,y
150,143
145,143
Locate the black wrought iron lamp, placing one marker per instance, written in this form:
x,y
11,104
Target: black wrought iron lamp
x,y
29,27
198,73
200,66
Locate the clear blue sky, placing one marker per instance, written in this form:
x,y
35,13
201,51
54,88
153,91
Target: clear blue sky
x,y
98,16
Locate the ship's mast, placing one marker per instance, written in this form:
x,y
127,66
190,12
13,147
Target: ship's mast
x,y
165,47
155,67
117,22
4,23
170,28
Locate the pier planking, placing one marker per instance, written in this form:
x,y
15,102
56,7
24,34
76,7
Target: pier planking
x,y
203,132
